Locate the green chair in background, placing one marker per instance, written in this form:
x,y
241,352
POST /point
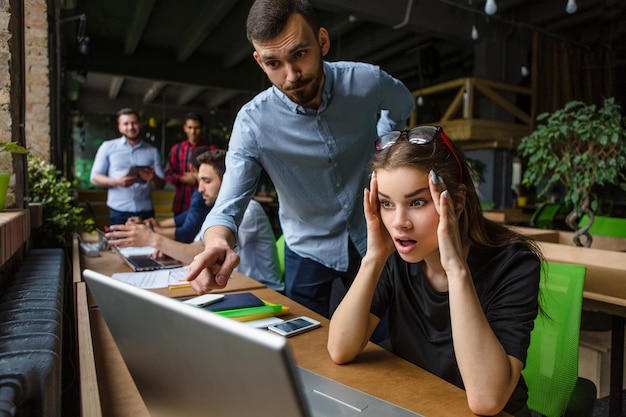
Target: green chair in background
x,y
543,216
605,226
280,248
551,371
487,205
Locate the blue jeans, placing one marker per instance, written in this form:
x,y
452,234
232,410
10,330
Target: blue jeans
x,y
120,217
309,282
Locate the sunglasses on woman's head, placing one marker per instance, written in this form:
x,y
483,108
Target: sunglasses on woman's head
x,y
419,135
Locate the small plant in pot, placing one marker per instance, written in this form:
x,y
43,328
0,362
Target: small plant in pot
x,y
581,146
14,148
61,216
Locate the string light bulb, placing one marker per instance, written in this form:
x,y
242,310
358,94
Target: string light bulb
x,y
474,33
571,6
420,101
491,7
524,71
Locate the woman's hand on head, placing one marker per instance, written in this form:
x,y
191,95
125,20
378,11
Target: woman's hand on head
x,y
451,249
379,242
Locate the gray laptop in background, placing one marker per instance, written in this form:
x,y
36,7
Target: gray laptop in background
x,y
190,362
140,259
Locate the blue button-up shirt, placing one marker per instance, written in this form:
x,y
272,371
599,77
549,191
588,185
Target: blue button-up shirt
x,y
113,159
316,159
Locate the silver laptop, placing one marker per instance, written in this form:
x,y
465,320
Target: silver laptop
x,y
190,362
140,259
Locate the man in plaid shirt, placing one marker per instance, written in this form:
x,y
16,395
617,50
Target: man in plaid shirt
x,y
178,171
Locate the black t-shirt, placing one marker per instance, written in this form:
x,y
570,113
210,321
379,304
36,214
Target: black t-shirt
x,y
507,284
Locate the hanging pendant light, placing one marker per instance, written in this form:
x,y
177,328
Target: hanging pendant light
x,y
475,35
571,6
491,7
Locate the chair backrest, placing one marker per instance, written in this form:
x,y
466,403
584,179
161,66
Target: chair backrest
x,y
280,248
552,364
605,226
543,216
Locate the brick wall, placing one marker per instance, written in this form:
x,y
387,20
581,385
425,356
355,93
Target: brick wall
x,y
5,85
37,84
37,78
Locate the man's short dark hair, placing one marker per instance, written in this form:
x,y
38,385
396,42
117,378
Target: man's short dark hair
x,y
126,111
195,116
216,158
267,18
196,153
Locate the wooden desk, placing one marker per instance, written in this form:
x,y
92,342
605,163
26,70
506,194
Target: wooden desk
x,y
604,291
514,216
377,372
106,381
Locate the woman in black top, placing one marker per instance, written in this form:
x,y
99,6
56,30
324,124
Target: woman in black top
x,y
461,291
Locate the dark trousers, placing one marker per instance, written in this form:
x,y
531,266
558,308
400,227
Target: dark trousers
x,y
309,282
120,217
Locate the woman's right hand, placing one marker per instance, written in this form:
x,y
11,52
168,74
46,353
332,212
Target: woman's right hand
x,y
379,242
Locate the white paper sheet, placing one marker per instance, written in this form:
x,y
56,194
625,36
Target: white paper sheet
x,y
154,279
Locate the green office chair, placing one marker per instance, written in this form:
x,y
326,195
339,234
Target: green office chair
x,y
543,216
605,226
280,247
551,371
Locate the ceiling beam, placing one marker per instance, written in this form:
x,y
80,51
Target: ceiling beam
x,y
219,97
388,12
188,93
154,91
138,24
237,54
366,42
115,87
206,21
149,64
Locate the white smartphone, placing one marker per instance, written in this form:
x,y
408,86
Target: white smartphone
x,y
295,326
204,299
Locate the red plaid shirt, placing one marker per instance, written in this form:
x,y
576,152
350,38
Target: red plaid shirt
x,y
177,164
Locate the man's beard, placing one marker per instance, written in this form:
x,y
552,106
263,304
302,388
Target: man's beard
x,y
305,95
134,137
309,93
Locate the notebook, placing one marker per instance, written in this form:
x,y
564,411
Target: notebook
x,y
190,362
140,260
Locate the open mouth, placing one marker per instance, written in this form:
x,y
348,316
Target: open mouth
x,y
405,245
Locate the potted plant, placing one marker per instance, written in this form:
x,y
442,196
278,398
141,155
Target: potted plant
x,y
61,217
11,147
581,146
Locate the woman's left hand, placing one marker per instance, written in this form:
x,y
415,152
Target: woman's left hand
x,y
450,248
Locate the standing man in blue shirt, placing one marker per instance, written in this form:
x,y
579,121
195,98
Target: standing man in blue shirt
x,y
129,193
313,132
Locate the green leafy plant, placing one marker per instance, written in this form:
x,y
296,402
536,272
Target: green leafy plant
x,y
61,217
581,146
12,147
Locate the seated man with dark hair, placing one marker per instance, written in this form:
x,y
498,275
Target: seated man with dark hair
x,y
185,226
257,248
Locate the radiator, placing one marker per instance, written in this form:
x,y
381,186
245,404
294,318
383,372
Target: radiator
x,y
31,313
